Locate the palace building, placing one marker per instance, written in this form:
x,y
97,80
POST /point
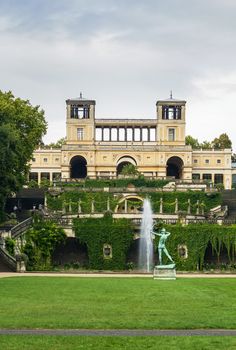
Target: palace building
x,y
100,148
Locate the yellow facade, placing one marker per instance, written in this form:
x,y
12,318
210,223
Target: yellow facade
x,y
99,148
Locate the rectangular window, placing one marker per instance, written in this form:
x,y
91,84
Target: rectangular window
x,y
56,176
144,134
178,112
196,176
207,177
74,111
195,161
33,160
137,134
218,161
219,179
113,134
80,134
81,112
121,134
171,134
129,134
170,113
106,134
152,134
45,176
207,161
98,134
33,176
45,160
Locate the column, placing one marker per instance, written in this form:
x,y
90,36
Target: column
x,y
176,205
148,130
109,133
161,206
126,206
108,204
189,207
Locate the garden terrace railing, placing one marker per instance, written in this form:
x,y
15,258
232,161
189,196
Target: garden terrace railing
x,y
9,260
229,222
21,227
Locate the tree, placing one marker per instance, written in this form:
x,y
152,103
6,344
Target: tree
x,y
223,141
189,140
130,169
41,240
206,145
21,129
58,144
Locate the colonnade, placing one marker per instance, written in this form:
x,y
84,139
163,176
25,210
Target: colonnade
x,y
125,133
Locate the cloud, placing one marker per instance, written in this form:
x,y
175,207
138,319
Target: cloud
x,y
124,54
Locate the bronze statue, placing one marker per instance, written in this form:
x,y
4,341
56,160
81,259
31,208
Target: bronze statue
x,y
161,245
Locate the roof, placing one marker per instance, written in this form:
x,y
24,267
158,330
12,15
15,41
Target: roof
x,y
80,100
171,100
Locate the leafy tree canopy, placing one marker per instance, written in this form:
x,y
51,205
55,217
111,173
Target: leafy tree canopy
x,y
130,169
21,129
189,140
221,142
57,144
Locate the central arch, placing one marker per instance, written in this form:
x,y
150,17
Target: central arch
x,y
78,167
133,204
174,167
123,161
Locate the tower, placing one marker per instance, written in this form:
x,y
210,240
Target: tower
x,y
171,121
80,120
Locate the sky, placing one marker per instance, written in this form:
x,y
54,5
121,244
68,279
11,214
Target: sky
x,y
125,54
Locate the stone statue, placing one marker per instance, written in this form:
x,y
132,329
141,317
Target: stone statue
x,y
161,245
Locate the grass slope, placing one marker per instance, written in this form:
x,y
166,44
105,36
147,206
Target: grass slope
x,y
116,343
58,302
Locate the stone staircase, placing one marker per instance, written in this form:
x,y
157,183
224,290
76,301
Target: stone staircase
x,y
3,266
229,199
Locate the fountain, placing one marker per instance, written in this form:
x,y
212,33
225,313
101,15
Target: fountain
x,y
145,261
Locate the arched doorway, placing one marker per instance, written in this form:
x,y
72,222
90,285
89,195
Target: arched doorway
x,y
78,167
123,161
174,167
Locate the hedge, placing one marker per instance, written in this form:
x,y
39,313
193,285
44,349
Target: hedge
x,y
97,232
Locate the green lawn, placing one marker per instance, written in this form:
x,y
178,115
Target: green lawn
x,y
116,343
58,302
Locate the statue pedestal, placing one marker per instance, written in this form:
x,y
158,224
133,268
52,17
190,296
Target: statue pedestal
x,y
164,272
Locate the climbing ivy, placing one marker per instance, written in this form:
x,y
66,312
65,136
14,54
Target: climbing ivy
x,y
70,200
205,200
97,232
196,237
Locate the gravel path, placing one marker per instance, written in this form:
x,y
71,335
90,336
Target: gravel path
x,y
121,332
107,274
